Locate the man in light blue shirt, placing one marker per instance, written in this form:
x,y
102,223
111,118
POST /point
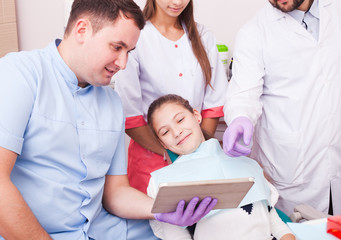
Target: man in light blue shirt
x,y
62,133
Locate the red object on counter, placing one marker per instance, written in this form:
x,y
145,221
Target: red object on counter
x,y
334,226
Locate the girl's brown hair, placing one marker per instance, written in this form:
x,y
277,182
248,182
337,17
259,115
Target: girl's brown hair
x,y
169,98
187,17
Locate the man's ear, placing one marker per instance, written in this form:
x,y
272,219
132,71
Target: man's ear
x,y
197,115
82,29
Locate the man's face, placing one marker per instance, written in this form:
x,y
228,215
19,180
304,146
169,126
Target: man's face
x,y
106,52
286,5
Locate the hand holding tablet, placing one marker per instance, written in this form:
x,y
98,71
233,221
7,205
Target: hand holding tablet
x,y
189,215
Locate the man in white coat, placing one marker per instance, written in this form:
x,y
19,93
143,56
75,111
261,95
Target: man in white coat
x,y
285,93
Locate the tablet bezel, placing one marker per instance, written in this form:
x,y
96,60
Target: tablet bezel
x,y
229,192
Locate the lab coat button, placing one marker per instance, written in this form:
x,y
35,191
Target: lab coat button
x,y
180,74
176,45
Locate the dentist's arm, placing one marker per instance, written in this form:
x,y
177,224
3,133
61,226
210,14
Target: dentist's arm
x,y
127,202
209,125
16,219
145,137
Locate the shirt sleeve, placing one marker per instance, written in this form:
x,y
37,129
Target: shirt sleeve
x,y
214,96
16,103
246,85
127,85
119,163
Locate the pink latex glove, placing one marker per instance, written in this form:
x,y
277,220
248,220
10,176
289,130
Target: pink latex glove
x,y
190,215
240,127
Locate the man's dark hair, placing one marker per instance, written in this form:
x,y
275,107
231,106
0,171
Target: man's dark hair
x,y
100,12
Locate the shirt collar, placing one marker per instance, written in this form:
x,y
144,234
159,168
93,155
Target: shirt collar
x,y
67,74
314,9
298,15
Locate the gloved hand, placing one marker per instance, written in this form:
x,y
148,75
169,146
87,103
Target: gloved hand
x,y
190,215
239,127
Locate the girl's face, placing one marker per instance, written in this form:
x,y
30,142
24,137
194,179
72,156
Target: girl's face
x,y
177,128
172,8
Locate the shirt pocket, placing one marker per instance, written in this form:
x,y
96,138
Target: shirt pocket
x,y
100,151
279,154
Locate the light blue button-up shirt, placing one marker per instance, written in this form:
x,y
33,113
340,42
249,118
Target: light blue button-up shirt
x,y
68,138
311,18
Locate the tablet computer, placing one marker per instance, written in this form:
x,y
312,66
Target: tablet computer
x,y
229,192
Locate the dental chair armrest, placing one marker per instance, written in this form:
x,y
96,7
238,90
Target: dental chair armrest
x,y
306,212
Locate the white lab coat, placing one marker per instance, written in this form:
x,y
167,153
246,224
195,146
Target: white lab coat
x,y
289,85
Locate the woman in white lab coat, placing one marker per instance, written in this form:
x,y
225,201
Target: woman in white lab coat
x,y
173,55
287,81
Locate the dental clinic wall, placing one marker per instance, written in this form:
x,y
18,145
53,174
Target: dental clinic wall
x,y
41,21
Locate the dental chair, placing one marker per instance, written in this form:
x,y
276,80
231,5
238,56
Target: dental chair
x,y
306,212
301,212
307,223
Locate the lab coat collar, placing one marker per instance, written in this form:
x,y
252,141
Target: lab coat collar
x,y
324,3
274,13
294,18
184,36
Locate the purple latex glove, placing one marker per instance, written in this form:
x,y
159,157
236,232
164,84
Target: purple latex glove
x,y
190,215
240,127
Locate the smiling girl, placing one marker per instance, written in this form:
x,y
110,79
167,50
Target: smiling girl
x,y
177,126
